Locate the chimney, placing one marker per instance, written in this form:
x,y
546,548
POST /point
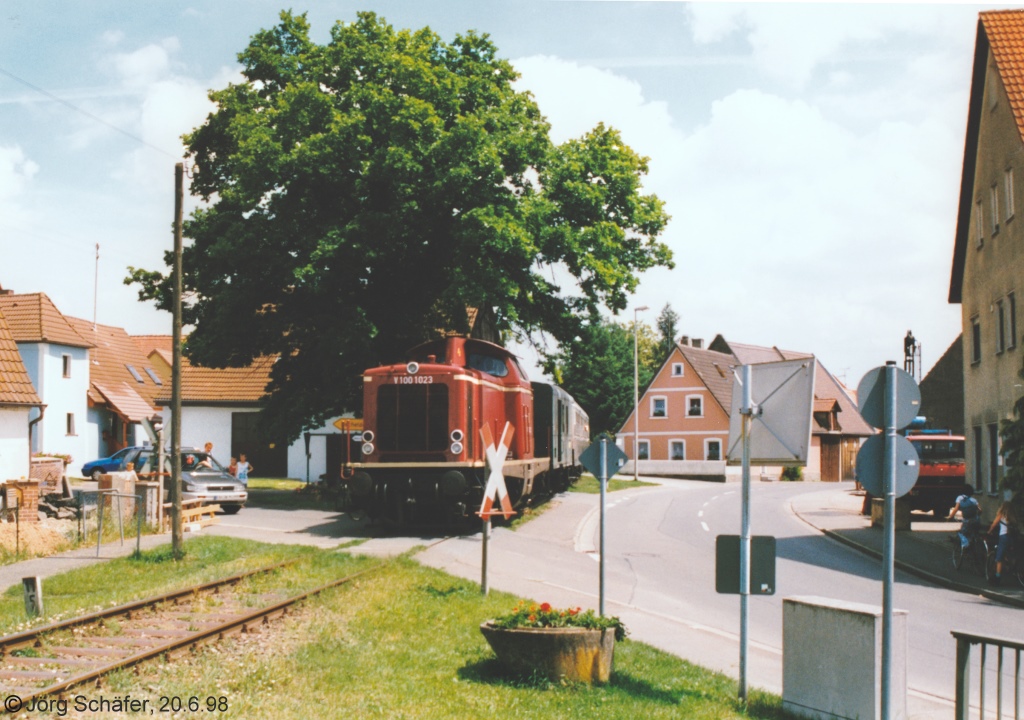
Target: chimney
x,y
685,341
698,343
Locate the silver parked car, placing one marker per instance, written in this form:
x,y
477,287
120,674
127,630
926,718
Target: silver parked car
x,y
202,477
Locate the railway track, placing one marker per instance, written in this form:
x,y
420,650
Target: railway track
x,y
54,658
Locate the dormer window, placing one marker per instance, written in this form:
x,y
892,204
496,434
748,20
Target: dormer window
x,y
153,376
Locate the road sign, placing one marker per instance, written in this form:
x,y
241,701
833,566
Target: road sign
x,y
614,457
495,489
871,398
349,424
782,394
871,465
762,564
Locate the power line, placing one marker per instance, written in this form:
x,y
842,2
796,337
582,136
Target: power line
x,y
86,113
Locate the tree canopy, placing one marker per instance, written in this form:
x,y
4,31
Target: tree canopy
x,y
360,195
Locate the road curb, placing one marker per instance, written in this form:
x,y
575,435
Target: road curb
x,y
913,569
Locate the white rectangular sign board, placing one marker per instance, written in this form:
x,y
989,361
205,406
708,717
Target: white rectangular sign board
x,y
782,394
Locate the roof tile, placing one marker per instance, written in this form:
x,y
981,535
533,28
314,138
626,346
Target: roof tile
x,y
34,318
15,385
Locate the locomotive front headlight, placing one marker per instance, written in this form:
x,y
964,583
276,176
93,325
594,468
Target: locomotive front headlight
x,y
412,368
368,436
456,448
457,435
367,448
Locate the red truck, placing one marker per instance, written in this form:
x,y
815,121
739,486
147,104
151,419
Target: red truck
x,y
943,470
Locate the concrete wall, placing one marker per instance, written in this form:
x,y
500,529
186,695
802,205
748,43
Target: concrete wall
x,y
13,443
819,682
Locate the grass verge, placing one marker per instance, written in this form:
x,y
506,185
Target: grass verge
x,y
401,642
589,484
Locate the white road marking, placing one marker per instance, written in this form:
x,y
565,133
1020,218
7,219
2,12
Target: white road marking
x,y
705,526
700,514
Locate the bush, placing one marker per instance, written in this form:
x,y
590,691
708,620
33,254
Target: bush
x,y
793,474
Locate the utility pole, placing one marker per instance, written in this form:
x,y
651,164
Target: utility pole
x,y
96,287
176,539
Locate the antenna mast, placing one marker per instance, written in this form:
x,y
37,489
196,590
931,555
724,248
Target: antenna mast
x,y
96,287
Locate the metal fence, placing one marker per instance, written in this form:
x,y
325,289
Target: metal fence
x,y
1006,653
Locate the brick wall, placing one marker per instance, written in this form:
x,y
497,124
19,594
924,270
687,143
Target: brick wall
x,y
29,500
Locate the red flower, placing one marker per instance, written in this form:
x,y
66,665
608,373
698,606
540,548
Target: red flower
x,y
545,607
532,618
573,611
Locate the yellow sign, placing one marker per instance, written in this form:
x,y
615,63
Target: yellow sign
x,y
349,424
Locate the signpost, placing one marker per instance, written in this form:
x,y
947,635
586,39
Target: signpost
x,y
599,457
770,427
889,400
495,489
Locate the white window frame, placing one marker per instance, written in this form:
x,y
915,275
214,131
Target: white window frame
x,y
640,445
654,399
694,397
1008,192
676,441
707,448
678,369
65,360
993,194
979,226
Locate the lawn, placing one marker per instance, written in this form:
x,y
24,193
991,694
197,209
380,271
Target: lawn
x,y
589,484
286,494
400,642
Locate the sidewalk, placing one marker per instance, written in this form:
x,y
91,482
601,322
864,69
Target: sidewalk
x,y
924,550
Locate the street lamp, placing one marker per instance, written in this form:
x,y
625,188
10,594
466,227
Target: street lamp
x,y
636,394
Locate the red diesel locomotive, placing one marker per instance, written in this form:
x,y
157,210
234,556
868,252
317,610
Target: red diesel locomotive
x,y
422,457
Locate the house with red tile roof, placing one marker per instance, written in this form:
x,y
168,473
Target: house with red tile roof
x,y
684,415
56,358
987,275
18,400
123,387
221,405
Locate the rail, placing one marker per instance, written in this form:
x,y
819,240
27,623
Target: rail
x,y
964,642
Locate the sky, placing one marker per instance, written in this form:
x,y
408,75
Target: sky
x,y
808,153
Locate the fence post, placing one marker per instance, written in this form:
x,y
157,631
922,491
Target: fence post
x,y
963,678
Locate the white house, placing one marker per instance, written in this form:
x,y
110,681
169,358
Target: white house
x,y
56,359
221,405
17,401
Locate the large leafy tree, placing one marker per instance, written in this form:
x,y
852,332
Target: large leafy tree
x,y
596,368
668,328
362,194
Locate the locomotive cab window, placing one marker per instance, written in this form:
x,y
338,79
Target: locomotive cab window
x,y
488,364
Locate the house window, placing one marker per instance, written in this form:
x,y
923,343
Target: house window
x,y
677,369
993,194
993,457
712,449
975,340
659,407
66,363
694,406
979,224
677,449
153,376
71,424
979,456
1011,336
643,450
1008,192
134,373
1000,327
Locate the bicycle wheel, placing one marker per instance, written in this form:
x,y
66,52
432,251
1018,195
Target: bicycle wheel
x,y
958,552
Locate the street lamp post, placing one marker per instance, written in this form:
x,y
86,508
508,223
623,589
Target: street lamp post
x,y
636,394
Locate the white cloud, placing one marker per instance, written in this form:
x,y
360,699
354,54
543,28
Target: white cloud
x,y
148,64
16,171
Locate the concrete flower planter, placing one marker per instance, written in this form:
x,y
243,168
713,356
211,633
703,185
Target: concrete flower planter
x,y
564,653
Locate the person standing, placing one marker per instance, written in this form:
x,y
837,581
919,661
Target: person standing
x,y
1005,522
244,468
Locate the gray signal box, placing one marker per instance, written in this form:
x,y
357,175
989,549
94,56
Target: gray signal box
x,y
762,564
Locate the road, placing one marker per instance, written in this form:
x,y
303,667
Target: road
x,y
660,574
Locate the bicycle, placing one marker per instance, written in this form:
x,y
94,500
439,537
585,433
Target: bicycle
x,y
1013,563
975,553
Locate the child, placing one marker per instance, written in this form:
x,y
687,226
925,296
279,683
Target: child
x,y
244,468
233,468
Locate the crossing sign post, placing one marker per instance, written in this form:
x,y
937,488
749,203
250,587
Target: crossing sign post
x,y
599,457
495,489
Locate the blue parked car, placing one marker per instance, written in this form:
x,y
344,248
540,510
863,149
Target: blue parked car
x,y
105,465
